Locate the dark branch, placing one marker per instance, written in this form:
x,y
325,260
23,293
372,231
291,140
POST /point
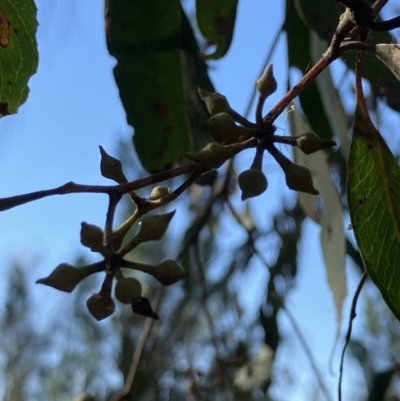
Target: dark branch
x,y
349,330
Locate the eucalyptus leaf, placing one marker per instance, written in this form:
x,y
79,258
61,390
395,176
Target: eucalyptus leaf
x,y
146,43
216,20
18,52
374,205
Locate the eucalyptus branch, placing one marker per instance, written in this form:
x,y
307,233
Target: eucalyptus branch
x,y
154,204
279,108
378,5
73,188
333,52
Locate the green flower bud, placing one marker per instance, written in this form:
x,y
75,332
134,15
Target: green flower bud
x,y
252,182
297,177
168,272
159,192
111,167
310,143
92,237
266,85
142,307
127,290
215,102
152,228
214,155
66,277
221,127
208,178
100,306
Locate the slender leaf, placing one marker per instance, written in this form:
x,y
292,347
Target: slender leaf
x,y
145,41
374,204
216,20
332,237
18,52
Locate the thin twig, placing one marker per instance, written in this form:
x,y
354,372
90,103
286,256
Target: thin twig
x,y
139,349
108,230
258,158
349,330
259,109
73,188
307,351
378,5
278,109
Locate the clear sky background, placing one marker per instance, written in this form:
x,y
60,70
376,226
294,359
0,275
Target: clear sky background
x,y
73,107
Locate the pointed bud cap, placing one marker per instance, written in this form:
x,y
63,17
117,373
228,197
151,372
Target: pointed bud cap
x,y
215,102
159,192
128,290
142,307
299,178
221,127
266,85
214,155
66,277
208,178
100,306
111,167
168,272
310,143
152,228
92,237
252,182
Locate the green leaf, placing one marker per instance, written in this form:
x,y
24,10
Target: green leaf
x,y
18,52
195,75
374,205
332,238
321,16
144,37
216,20
299,56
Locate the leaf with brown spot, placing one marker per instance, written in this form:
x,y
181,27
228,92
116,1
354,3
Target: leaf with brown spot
x,y
373,193
145,39
18,52
216,20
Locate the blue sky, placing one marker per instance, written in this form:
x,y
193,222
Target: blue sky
x,y
73,107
